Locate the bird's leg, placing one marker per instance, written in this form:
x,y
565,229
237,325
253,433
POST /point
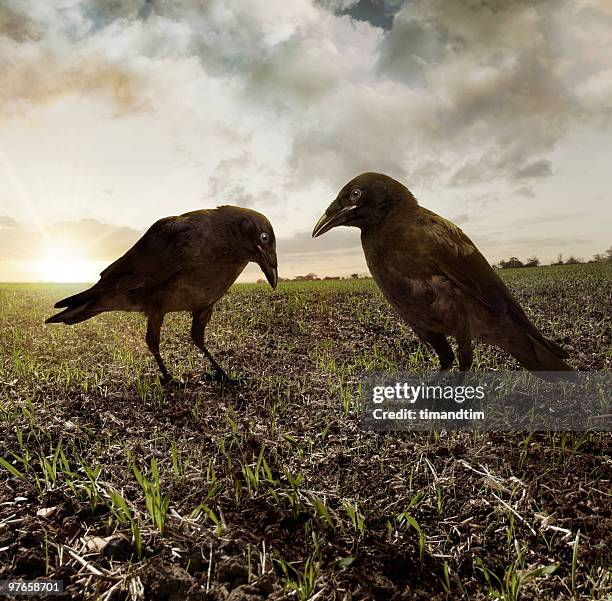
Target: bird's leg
x,y
198,325
154,324
466,354
442,348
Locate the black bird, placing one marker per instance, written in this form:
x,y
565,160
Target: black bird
x,y
182,263
435,277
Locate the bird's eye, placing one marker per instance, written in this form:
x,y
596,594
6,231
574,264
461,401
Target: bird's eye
x,y
355,194
264,237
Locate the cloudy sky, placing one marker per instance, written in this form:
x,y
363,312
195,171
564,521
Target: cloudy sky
x,y
113,113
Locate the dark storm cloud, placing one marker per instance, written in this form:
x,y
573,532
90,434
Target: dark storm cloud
x,y
96,241
475,79
379,13
492,69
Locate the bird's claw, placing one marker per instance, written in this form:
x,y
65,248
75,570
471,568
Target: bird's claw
x,y
169,382
220,377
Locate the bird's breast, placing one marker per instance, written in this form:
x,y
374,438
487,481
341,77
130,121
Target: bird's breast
x,y
202,286
424,300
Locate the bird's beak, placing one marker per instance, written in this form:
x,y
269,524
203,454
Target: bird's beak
x,y
268,264
332,217
272,276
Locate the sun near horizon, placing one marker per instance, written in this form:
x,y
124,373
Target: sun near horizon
x,y
62,262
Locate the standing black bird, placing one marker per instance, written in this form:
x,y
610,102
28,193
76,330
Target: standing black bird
x,y
435,277
182,263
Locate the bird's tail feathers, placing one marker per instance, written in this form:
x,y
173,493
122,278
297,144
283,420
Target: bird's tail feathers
x,y
543,359
557,350
77,299
74,314
517,315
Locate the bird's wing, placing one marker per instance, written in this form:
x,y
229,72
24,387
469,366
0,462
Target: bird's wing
x,y
156,257
454,255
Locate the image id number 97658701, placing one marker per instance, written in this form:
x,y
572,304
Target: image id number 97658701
x,y
44,586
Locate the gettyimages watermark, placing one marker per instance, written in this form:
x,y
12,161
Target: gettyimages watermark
x,y
488,401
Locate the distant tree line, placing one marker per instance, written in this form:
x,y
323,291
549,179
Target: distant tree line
x,y
514,262
602,257
511,263
313,277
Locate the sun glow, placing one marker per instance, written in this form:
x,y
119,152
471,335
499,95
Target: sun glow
x,y
64,262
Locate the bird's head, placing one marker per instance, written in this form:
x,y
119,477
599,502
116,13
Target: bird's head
x,y
259,243
364,201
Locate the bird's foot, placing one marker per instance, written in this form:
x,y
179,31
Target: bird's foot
x,y
167,381
461,376
220,377
446,377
